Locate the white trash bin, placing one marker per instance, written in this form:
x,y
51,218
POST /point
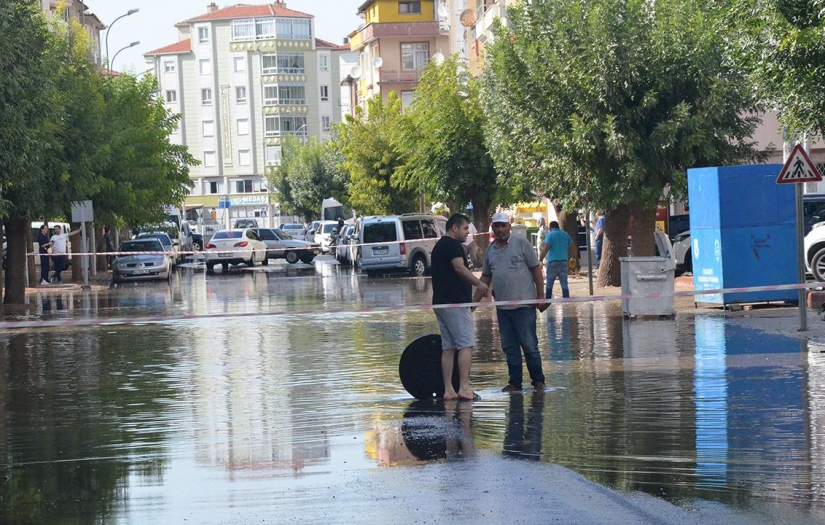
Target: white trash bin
x,y
649,275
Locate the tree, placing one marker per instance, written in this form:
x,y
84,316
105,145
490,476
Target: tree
x,y
442,140
607,103
781,45
309,172
28,116
371,160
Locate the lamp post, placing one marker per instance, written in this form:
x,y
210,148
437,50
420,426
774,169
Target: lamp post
x,y
133,44
128,13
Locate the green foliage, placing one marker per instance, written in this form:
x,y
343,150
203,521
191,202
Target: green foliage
x,y
781,46
441,137
309,172
612,101
371,160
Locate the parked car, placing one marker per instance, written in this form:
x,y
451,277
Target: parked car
x,y
142,266
323,234
296,231
197,241
398,242
683,253
167,242
311,229
246,223
813,209
814,246
342,248
236,246
281,245
677,224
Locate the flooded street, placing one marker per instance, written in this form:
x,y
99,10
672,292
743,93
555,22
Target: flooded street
x,y
301,417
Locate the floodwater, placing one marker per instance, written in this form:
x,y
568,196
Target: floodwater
x,y
302,417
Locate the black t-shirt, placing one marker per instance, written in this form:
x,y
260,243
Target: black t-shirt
x,y
448,286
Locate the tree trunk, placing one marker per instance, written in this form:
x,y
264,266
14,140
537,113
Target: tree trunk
x,y
569,222
616,227
16,265
641,231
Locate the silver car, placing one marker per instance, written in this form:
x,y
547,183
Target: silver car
x,y
281,245
149,261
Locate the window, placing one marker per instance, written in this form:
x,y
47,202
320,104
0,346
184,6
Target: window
x,y
272,125
281,94
414,56
324,92
208,128
239,64
293,28
323,61
429,229
272,63
209,159
243,29
243,126
406,98
213,188
273,155
203,35
412,230
243,186
294,126
169,66
265,28
171,95
244,158
206,96
205,67
407,7
325,123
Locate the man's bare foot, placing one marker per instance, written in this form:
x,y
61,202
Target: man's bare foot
x,y
448,395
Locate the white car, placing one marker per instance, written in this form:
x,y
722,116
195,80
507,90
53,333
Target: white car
x,y
236,246
323,234
815,251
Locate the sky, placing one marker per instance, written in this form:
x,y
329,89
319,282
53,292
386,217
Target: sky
x,y
154,24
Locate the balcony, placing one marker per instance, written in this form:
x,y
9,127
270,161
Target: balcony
x,y
399,76
486,16
398,30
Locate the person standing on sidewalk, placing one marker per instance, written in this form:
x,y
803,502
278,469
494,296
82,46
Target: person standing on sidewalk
x,y
43,243
513,268
599,230
452,283
109,246
59,243
558,248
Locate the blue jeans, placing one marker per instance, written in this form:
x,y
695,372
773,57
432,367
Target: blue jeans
x,y
556,269
518,331
599,251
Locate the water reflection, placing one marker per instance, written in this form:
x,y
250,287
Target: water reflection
x,y
105,423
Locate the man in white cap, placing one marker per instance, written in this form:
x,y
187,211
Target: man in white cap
x,y
512,267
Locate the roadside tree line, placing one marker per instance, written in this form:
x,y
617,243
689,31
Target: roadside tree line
x,y
73,133
598,104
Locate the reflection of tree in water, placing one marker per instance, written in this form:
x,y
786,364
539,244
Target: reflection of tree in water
x,y
67,398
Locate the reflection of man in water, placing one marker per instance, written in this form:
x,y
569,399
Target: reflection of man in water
x,y
435,429
522,438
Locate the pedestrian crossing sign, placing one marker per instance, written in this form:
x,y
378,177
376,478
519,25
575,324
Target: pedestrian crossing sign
x,y
798,168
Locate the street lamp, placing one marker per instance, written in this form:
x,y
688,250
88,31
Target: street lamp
x,y
133,44
128,13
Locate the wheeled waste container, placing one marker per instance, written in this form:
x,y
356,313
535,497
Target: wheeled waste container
x,y
649,275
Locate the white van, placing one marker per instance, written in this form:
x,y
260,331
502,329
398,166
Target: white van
x,y
398,242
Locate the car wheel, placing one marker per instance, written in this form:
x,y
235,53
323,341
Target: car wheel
x,y
292,257
198,247
210,267
418,266
251,261
818,266
265,262
307,259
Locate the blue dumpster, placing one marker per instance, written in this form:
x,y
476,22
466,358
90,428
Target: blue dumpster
x,y
743,233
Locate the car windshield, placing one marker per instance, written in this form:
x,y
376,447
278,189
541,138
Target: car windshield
x,y
329,227
162,237
228,234
149,245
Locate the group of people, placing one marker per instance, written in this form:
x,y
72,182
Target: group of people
x,y
511,272
58,243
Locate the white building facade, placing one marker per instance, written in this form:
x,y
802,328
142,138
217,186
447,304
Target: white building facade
x,y
244,78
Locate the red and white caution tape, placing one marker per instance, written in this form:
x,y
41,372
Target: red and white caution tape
x,y
112,321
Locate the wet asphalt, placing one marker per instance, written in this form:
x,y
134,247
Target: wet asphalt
x,y
300,417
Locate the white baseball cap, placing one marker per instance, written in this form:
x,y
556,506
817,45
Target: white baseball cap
x,y
501,217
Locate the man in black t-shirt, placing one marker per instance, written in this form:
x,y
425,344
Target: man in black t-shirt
x,y
452,283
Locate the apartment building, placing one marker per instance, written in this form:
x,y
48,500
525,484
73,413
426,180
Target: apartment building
x,y
398,38
78,10
243,78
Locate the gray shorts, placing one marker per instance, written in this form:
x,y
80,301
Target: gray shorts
x,y
456,327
